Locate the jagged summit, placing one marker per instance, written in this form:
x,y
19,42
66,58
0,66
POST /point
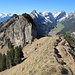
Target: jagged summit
x,y
34,11
46,21
34,14
49,22
19,29
58,13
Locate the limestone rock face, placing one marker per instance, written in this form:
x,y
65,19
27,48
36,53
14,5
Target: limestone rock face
x,y
18,30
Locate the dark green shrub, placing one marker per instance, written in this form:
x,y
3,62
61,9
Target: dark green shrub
x,y
64,71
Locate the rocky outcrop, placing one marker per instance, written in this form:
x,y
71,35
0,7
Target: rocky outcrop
x,y
18,29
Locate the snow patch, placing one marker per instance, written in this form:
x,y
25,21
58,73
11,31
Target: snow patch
x,y
56,14
63,18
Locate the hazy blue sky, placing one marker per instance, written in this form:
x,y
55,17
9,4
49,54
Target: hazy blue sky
x,y
21,6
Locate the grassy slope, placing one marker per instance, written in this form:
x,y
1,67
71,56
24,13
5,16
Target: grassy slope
x,y
41,59
58,28
69,27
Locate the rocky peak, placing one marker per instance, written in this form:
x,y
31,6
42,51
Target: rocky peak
x,y
46,13
68,18
59,15
44,22
19,29
48,16
34,11
71,15
34,14
15,15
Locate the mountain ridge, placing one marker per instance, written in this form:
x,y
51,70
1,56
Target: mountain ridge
x,y
45,56
46,22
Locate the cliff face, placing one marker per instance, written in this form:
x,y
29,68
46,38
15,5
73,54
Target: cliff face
x,y
46,56
18,30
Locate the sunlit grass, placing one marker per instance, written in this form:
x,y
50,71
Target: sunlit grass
x,y
58,28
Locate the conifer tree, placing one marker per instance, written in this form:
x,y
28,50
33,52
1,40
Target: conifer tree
x,y
4,61
7,60
20,51
9,44
1,68
17,55
12,53
12,58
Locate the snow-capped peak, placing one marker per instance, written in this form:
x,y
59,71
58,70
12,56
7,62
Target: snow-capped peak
x,y
4,16
10,14
56,14
45,13
34,14
63,18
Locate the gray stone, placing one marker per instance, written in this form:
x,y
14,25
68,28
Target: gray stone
x,y
18,30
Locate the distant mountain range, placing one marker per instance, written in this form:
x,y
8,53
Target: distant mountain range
x,y
48,23
4,16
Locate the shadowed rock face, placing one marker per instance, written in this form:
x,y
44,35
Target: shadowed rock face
x,y
18,30
44,22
